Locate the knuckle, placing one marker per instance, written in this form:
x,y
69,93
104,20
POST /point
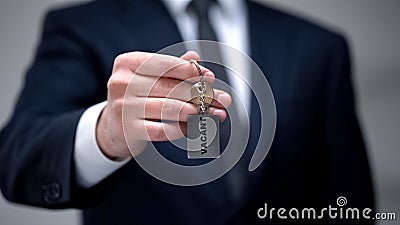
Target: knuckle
x,y
170,107
129,60
117,105
135,59
168,86
117,82
156,132
121,60
155,105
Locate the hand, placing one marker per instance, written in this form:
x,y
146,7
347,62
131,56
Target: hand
x,y
159,90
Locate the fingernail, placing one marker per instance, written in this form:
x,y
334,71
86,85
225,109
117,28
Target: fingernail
x,y
208,74
218,112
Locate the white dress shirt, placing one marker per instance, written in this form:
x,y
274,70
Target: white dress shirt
x,y
229,20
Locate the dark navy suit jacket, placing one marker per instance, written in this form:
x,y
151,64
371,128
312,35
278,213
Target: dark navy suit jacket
x,y
317,154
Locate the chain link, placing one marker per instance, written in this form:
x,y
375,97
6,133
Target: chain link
x,y
202,90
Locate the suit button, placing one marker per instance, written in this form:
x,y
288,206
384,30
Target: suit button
x,y
52,191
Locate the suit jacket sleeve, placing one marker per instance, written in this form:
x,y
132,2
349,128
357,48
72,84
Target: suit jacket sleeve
x,y
348,173
36,147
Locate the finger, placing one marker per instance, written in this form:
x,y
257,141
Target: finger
x,y
146,86
221,113
118,83
174,110
159,131
152,64
167,109
191,55
163,109
184,70
221,99
172,89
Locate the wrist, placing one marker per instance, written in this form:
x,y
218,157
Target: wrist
x,y
111,147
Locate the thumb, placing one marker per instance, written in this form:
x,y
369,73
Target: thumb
x,y
189,55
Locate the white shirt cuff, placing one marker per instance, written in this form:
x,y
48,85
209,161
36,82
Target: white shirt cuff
x,y
91,165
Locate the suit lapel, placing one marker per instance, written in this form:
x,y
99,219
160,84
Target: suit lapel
x,y
269,49
269,46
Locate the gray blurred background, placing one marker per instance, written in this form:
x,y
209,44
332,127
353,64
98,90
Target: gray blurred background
x,y
372,29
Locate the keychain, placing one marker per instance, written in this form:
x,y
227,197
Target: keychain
x,y
202,128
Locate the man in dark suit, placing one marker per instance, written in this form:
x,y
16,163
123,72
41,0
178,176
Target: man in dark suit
x,y
317,154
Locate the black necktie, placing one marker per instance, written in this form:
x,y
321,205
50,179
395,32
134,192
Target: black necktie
x,y
200,8
206,32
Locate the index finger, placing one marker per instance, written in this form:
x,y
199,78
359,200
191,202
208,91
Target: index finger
x,y
151,64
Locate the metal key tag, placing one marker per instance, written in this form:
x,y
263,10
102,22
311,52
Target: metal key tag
x,y
202,128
